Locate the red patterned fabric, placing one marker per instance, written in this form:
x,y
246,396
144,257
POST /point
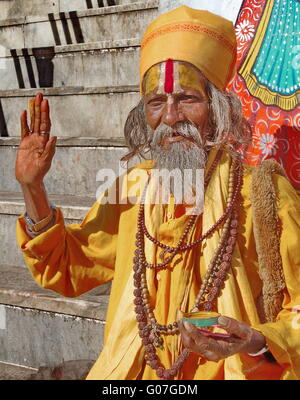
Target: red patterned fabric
x,y
276,132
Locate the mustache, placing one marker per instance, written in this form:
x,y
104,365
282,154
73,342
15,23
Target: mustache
x,y
185,129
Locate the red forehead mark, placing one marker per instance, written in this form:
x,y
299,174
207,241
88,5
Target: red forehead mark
x,y
169,77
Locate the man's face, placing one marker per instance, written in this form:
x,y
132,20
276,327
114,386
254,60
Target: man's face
x,y
176,111
188,106
178,126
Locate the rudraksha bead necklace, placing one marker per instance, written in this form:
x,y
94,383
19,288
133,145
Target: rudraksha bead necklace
x,y
149,330
174,250
190,223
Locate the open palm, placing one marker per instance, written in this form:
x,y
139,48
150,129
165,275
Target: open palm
x,y
36,149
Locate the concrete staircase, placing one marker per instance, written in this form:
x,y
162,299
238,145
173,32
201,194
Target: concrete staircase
x,y
83,55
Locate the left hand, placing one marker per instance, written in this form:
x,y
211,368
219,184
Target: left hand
x,y
244,339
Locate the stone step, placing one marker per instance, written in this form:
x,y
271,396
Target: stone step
x,y
74,169
17,288
18,8
40,328
107,63
108,23
15,372
75,111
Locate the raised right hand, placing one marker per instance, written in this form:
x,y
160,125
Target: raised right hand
x,y
36,149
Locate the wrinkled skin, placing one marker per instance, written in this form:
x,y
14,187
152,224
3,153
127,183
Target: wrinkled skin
x,y
243,339
36,150
34,157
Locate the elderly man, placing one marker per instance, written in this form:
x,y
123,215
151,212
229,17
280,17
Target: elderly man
x,y
238,255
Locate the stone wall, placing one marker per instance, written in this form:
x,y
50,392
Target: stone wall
x,y
226,8
83,55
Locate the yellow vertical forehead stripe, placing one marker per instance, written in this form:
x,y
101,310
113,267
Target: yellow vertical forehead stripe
x,y
187,76
151,79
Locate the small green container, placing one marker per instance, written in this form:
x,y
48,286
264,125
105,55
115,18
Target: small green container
x,y
201,318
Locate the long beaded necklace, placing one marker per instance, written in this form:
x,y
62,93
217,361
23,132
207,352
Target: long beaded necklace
x,y
149,330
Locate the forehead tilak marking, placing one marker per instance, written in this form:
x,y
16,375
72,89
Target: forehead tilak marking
x,y
150,82
169,80
177,86
169,77
161,82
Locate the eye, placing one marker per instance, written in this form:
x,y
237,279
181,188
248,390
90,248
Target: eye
x,y
156,102
189,99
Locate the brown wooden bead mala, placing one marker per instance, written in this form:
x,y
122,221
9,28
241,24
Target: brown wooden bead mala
x,y
149,330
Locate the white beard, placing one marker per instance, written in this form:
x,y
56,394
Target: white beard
x,y
179,169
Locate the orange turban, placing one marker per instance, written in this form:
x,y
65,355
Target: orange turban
x,y
198,37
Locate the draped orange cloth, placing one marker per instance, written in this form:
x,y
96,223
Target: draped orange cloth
x,y
74,259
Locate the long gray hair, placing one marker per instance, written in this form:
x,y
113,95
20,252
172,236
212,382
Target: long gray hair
x,y
226,125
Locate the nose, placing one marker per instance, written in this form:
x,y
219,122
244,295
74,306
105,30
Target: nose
x,y
171,114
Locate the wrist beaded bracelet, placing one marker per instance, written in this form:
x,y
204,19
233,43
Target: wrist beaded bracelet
x,y
38,226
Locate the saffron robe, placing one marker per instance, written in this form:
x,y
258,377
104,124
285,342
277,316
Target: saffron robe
x,y
76,258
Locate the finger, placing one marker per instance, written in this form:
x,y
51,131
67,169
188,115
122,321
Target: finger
x,y
179,315
24,125
234,327
189,343
45,118
50,149
188,329
218,349
192,338
203,348
37,112
215,350
192,331
211,356
31,111
232,340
